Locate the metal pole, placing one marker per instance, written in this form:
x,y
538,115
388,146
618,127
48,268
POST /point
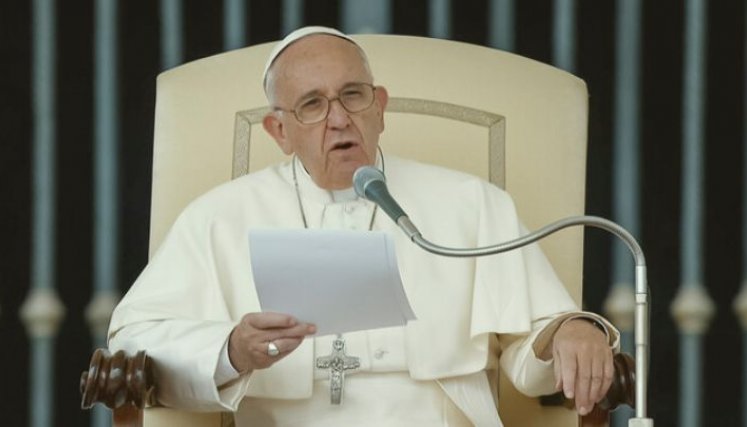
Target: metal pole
x,y
292,15
564,34
234,24
172,45
692,308
42,310
501,28
620,303
106,188
365,16
740,303
439,18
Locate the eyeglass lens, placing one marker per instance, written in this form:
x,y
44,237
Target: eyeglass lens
x,y
354,98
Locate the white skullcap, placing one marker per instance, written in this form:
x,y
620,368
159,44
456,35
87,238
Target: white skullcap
x,y
294,37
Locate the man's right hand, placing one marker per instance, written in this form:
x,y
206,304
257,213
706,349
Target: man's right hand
x,y
250,339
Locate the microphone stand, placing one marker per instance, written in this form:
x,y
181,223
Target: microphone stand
x,y
642,326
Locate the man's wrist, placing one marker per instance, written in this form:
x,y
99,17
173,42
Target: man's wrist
x,y
589,320
543,346
595,323
225,371
234,356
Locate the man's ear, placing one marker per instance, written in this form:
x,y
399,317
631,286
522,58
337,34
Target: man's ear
x,y
382,97
274,126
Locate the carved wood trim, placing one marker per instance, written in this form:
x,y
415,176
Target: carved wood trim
x,y
124,384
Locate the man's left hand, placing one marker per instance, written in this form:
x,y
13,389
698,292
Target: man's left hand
x,y
583,363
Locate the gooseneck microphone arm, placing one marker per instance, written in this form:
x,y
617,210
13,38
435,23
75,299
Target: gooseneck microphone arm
x,y
370,184
641,287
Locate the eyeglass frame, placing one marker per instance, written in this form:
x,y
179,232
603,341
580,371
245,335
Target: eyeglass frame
x,y
329,103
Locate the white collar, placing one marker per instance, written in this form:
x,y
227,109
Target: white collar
x,y
309,189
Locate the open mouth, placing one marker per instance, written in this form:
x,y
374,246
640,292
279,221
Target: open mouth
x,y
343,146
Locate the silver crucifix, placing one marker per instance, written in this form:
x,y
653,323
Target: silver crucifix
x,y
337,363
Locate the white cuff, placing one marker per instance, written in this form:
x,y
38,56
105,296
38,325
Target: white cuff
x,y
224,371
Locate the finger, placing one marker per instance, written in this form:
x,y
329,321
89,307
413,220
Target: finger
x,y
257,339
287,345
270,320
609,373
298,331
583,384
597,378
261,357
558,369
569,368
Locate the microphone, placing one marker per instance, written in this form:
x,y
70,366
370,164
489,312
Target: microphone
x,y
370,184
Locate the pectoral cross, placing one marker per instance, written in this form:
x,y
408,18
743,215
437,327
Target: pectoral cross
x,y
337,363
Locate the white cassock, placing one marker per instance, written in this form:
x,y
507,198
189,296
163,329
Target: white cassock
x,y
438,370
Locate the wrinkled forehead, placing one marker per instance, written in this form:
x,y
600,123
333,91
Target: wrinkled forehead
x,y
319,48
301,34
315,62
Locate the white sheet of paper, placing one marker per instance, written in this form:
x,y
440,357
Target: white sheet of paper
x,y
341,281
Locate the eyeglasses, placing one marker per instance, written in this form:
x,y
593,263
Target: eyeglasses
x,y
354,98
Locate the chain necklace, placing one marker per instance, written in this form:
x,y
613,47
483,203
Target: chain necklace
x,y
300,203
338,361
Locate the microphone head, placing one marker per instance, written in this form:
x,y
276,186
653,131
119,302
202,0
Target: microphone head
x,y
364,176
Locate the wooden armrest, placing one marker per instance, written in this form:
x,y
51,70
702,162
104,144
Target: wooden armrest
x,y
621,392
124,384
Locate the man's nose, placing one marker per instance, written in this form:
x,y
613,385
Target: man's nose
x,y
338,116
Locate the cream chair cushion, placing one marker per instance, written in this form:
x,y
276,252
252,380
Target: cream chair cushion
x,y
515,121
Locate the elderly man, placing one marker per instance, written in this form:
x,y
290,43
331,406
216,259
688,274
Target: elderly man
x,y
195,310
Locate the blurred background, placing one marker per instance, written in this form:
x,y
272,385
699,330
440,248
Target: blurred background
x,y
666,159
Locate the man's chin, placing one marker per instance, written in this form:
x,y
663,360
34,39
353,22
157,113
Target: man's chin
x,y
342,170
350,165
343,178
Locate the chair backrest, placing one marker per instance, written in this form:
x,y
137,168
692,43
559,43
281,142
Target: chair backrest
x,y
517,122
